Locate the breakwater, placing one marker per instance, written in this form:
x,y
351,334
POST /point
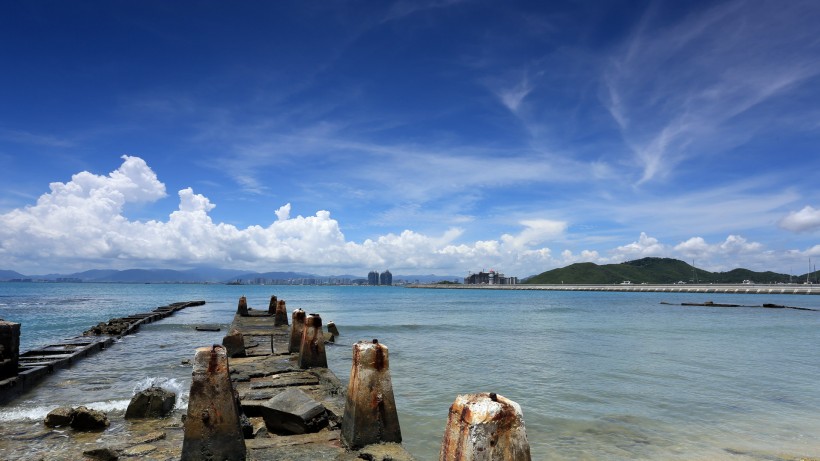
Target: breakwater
x,y
744,289
21,371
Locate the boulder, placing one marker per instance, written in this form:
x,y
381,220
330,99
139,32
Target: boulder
x,y
60,417
294,412
154,402
87,419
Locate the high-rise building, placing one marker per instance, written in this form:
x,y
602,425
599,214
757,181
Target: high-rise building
x,y
386,278
373,278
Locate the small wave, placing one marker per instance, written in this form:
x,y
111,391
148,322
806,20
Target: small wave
x,y
169,384
109,405
400,327
37,413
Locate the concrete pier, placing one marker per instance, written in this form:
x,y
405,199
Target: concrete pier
x,y
312,349
370,408
262,381
9,349
34,365
212,428
281,314
485,427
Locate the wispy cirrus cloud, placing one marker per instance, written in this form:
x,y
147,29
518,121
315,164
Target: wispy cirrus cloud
x,y
692,89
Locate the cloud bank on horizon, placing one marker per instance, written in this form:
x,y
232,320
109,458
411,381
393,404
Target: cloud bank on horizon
x,y
81,223
420,137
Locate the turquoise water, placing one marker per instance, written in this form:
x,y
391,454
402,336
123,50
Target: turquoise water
x,y
598,375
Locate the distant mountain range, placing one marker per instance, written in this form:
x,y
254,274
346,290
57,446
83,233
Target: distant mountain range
x,y
655,270
199,275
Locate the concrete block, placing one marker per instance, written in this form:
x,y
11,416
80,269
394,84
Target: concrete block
x,y
297,327
485,427
294,412
242,308
370,409
281,315
312,349
212,426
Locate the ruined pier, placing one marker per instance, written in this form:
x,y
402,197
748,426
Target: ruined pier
x,y
19,372
293,403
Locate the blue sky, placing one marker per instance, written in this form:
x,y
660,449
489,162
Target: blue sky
x,y
429,136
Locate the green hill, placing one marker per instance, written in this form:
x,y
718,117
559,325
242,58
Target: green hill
x,y
649,270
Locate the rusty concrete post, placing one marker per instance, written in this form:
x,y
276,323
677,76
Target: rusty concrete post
x,y
9,349
272,305
281,314
212,426
485,427
242,309
296,328
312,348
370,409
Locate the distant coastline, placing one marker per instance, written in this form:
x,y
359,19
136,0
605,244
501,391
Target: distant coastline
x,y
773,289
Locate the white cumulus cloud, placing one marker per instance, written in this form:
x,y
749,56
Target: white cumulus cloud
x,y
645,246
81,223
807,219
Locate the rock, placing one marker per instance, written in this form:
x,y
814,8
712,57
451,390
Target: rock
x,y
102,454
294,412
87,419
148,438
247,426
329,338
139,450
60,417
154,402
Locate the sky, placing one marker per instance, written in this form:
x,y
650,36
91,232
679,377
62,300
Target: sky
x,y
436,136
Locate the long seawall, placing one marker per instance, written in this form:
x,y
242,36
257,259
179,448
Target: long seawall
x,y
790,289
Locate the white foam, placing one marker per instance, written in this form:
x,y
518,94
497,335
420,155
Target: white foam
x,y
37,413
169,384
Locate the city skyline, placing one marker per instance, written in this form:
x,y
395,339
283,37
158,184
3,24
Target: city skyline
x,y
428,137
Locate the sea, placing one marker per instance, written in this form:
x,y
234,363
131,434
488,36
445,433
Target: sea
x,y
598,375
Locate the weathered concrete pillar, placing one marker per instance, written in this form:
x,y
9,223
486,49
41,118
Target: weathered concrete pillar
x,y
272,305
234,343
312,349
281,314
370,410
212,427
242,309
331,328
297,327
9,349
485,427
